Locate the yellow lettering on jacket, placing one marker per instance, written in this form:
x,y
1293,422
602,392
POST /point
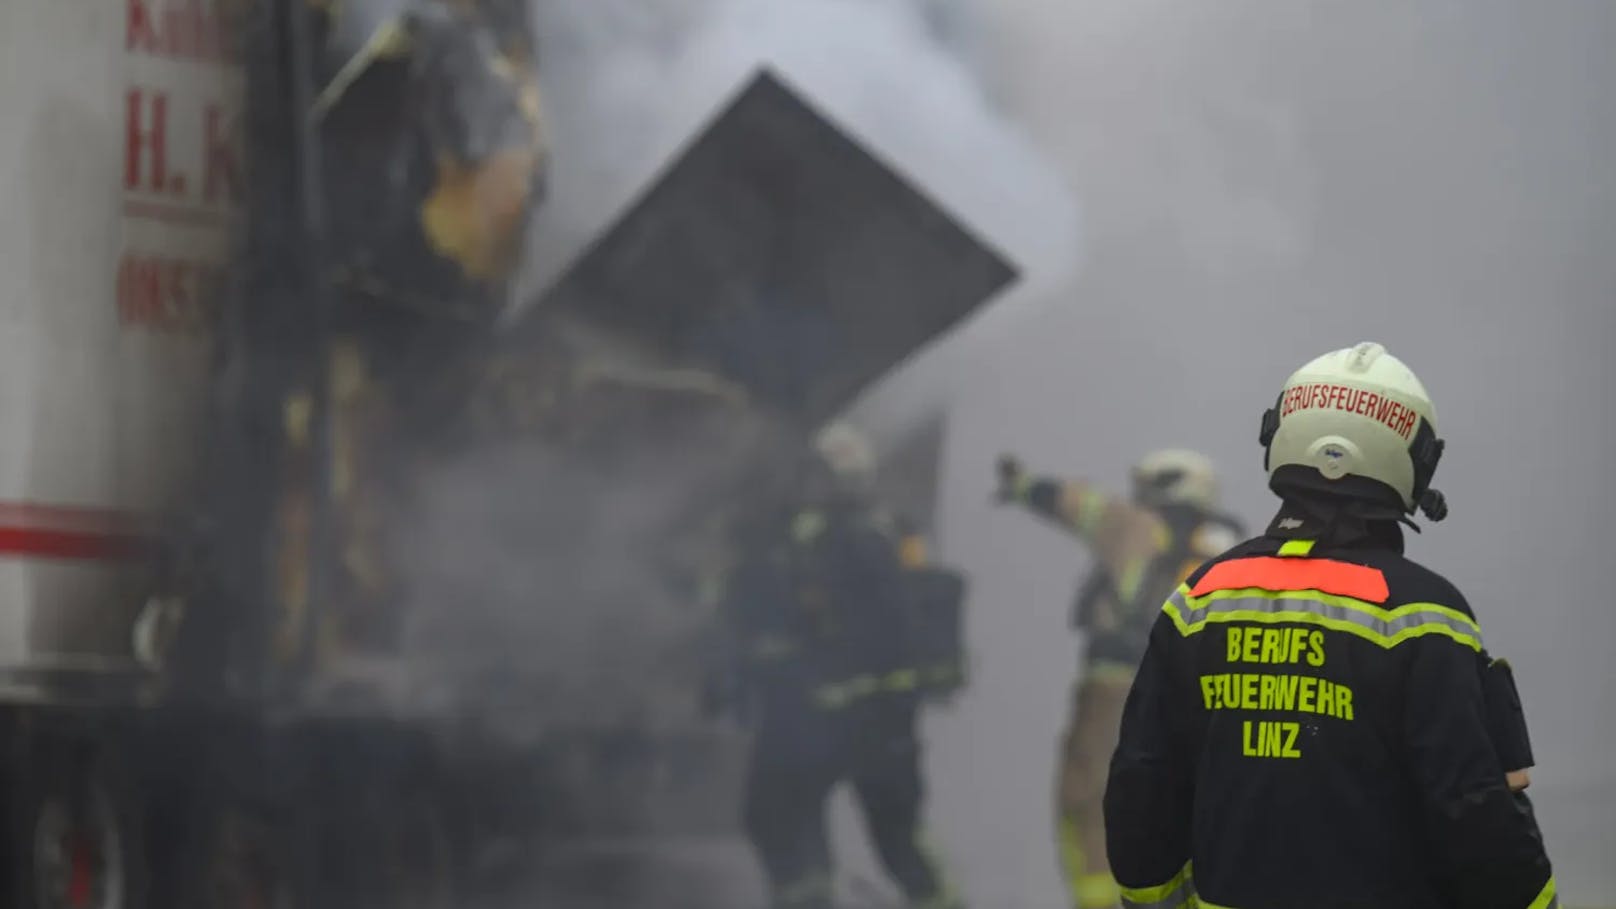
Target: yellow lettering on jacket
x,y
1289,693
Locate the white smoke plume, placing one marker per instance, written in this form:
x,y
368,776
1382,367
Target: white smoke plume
x,y
629,81
530,566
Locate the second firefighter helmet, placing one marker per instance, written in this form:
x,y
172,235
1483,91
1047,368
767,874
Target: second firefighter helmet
x,y
1175,476
1356,422
843,458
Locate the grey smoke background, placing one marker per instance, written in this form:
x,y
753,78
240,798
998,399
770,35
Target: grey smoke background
x,y
1260,181
629,82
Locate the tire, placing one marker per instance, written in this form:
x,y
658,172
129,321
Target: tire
x,y
77,835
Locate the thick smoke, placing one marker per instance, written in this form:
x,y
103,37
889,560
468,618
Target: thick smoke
x,y
531,532
551,586
630,80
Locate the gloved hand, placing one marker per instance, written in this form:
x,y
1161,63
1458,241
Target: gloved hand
x,y
1010,473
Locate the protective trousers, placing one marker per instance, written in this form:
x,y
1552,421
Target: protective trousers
x,y
789,782
1091,736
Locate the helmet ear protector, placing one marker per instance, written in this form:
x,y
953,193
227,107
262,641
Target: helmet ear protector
x,y
1270,426
1425,451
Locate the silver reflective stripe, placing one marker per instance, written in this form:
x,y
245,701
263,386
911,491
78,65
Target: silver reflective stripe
x,y
1386,627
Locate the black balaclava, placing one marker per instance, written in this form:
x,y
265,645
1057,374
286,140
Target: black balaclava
x,y
1350,512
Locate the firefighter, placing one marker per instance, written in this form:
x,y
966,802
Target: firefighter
x,y
1143,547
1315,721
814,605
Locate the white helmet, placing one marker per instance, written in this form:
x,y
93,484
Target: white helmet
x,y
1361,420
1176,476
847,453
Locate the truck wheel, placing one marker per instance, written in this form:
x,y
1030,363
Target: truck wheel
x,y
80,838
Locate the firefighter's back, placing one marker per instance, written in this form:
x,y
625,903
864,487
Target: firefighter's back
x,y
1302,663
1315,721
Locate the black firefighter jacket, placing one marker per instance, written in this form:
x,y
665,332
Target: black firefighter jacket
x,y
815,605
1308,731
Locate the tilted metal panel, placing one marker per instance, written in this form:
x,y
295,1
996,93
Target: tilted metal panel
x,y
780,252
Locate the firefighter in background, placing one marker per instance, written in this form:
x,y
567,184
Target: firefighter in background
x,y
814,605
1142,548
1315,721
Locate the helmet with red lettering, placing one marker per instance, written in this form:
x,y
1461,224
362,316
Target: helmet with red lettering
x,y
1356,422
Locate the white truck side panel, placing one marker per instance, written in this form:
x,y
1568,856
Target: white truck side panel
x,y
119,170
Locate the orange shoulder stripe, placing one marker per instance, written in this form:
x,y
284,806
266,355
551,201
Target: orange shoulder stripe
x,y
1342,579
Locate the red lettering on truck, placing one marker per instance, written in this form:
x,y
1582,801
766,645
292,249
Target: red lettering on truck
x,y
221,162
145,154
201,31
167,294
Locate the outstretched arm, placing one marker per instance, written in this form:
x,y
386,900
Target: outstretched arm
x,y
1121,534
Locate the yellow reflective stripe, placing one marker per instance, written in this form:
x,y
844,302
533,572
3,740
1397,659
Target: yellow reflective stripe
x,y
1547,899
1089,889
1132,577
864,684
1437,609
1110,671
902,680
1176,893
1022,487
1163,536
1090,512
1297,547
839,694
1172,611
1071,851
1338,625
809,890
1370,609
1384,627
771,647
1096,891
947,896
1311,618
807,526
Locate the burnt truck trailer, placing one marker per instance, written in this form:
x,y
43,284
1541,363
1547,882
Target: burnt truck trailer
x,y
301,505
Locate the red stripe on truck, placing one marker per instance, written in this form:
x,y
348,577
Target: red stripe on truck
x,y
33,530
33,542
